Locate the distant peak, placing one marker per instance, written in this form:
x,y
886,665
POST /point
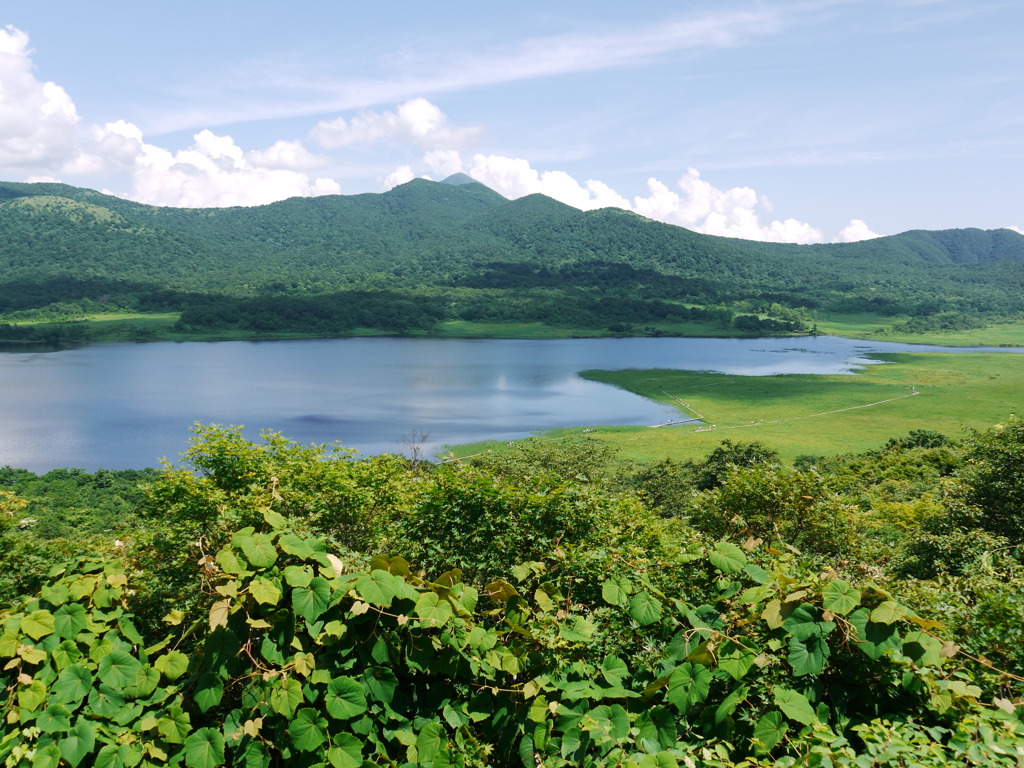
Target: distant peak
x,y
458,179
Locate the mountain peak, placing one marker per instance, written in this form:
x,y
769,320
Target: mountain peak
x,y
458,179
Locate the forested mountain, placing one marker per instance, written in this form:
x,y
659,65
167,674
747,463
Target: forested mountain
x,y
426,252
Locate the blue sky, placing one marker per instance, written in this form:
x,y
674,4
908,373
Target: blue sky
x,y
802,120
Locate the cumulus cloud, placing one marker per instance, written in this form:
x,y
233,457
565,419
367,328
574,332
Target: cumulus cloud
x,y
514,177
704,208
37,119
41,139
287,155
400,175
416,121
856,230
1018,230
444,162
216,172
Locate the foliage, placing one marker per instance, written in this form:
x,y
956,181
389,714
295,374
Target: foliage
x,y
991,492
774,503
486,526
729,455
543,611
304,661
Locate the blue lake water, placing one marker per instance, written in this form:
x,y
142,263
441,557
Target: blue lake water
x,y
127,405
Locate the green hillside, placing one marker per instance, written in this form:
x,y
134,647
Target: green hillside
x,y
427,252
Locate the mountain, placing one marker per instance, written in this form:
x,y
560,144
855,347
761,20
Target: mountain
x,y
459,250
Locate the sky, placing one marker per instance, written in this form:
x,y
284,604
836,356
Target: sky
x,y
782,120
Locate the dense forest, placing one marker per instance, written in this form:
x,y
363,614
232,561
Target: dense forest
x,y
430,252
266,603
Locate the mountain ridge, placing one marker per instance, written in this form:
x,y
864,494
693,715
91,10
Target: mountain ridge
x,y
461,247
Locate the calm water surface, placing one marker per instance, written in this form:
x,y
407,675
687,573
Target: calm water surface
x,y
127,405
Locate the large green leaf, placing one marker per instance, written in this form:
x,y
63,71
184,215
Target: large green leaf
x,y
37,624
54,718
429,742
79,742
644,608
888,612
688,685
106,702
117,756
727,557
805,621
175,725
146,680
308,731
265,591
118,669
204,749
173,664
794,705
298,575
312,600
808,657
434,610
345,698
285,696
32,696
258,548
300,548
874,638
577,630
735,659
656,729
346,751
47,757
616,590
769,731
72,685
381,683
208,692
378,587
839,597
924,649
69,620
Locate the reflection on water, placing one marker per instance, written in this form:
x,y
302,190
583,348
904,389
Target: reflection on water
x,y
127,405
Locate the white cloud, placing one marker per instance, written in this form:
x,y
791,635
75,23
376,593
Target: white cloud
x,y
704,208
37,119
216,172
1018,230
856,230
416,121
40,138
400,175
444,162
515,177
287,155
267,90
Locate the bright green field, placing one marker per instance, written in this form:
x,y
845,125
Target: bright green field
x,y
816,414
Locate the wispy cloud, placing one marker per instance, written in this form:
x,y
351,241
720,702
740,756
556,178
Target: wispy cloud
x,y
296,91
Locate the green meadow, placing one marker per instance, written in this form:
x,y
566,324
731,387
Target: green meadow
x,y
821,414
801,414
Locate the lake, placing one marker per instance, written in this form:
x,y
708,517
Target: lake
x,y
124,406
